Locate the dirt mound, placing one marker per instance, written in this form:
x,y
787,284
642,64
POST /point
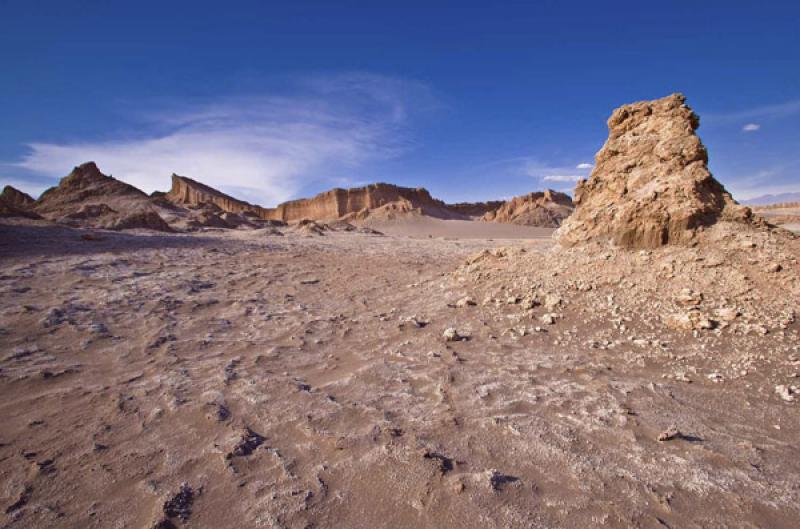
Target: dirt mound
x,y
651,185
88,198
546,209
310,228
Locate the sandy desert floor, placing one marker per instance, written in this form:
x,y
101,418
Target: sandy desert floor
x,y
249,379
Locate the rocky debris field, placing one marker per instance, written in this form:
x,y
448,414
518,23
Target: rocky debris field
x,y
283,378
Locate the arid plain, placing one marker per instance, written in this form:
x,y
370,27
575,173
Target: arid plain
x,y
181,360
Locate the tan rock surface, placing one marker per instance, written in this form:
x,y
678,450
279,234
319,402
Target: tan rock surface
x,y
188,192
547,209
360,202
650,185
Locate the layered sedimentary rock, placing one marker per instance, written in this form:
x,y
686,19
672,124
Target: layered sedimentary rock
x,y
360,202
87,197
543,208
188,192
650,185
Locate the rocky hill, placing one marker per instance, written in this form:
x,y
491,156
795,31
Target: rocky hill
x,y
88,198
476,210
545,208
650,185
15,203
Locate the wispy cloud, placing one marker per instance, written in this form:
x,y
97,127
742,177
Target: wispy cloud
x,y
751,127
764,112
263,147
768,180
561,178
550,173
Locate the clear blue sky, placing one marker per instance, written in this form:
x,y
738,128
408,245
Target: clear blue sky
x,y
473,100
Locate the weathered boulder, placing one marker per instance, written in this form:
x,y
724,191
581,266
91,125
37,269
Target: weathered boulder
x,y
650,185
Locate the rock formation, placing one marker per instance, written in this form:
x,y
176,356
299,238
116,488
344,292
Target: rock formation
x,y
15,203
88,198
546,209
359,203
188,192
476,210
651,185
15,197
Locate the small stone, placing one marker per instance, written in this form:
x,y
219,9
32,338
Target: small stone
x,y
465,302
548,319
785,392
689,298
452,335
669,434
774,268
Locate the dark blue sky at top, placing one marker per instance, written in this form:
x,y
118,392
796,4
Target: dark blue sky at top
x,y
472,100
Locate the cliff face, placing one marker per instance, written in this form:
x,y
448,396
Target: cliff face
x,y
545,208
188,192
338,203
650,185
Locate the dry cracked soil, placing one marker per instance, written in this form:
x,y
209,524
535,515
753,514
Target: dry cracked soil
x,y
252,379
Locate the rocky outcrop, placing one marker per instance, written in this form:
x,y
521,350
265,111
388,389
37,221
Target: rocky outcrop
x,y
15,197
544,208
359,203
88,198
650,185
475,210
188,192
15,203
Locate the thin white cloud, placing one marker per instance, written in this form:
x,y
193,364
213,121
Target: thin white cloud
x,y
562,178
266,148
549,173
751,127
765,112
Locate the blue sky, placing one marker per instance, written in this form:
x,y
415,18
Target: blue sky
x,y
271,101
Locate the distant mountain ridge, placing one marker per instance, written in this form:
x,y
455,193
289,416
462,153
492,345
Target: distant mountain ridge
x,y
87,197
766,200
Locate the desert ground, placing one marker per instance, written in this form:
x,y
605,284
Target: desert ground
x,y
268,378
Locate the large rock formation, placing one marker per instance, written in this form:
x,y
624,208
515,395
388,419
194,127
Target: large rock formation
x,y
543,208
86,197
15,203
188,192
361,202
476,210
651,185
